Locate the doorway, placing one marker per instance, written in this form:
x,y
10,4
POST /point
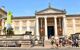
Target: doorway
x,y
50,31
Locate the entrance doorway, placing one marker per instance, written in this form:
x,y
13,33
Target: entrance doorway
x,y
50,31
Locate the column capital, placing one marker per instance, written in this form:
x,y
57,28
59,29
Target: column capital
x,y
55,16
45,17
37,17
73,18
28,21
64,16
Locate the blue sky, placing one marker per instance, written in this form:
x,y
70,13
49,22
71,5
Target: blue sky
x,y
28,7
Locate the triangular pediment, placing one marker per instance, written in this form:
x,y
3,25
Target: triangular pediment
x,y
50,10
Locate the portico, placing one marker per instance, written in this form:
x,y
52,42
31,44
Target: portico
x,y
50,22
50,26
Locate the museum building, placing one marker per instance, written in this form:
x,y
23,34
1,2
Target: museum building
x,y
45,23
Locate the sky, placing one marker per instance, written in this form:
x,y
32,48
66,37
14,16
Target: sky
x,y
28,7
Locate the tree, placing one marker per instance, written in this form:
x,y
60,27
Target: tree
x,y
8,32
4,30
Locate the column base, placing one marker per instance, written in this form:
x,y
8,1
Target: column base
x,y
46,38
1,32
56,37
47,44
37,37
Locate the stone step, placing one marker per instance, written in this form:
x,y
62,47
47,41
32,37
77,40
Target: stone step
x,y
47,43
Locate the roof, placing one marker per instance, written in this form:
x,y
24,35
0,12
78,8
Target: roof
x,y
23,17
3,11
51,14
63,11
73,15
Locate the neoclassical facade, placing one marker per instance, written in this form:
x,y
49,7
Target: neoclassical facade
x,y
47,23
2,16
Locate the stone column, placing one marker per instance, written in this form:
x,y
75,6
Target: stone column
x,y
74,27
20,30
28,25
46,36
55,22
2,26
37,28
64,26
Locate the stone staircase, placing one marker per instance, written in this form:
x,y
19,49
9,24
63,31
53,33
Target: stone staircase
x,y
26,44
47,44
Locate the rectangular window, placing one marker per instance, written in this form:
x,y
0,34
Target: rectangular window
x,y
24,22
16,22
32,27
16,28
24,28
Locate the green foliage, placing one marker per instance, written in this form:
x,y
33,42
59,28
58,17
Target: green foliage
x,y
4,30
8,32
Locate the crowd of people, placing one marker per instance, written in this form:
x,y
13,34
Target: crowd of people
x,y
64,42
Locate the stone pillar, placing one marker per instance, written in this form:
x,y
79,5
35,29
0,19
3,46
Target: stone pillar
x,y
37,28
55,22
74,27
46,35
12,24
28,25
20,30
64,26
2,26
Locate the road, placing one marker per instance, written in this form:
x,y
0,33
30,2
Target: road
x,y
12,48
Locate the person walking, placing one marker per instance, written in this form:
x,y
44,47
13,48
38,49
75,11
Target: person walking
x,y
77,43
57,41
52,41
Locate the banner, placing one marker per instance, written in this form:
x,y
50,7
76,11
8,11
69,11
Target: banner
x,y
9,17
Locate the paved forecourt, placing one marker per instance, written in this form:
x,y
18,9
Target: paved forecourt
x,y
18,48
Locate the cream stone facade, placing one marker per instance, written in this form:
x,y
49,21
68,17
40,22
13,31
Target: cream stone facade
x,y
23,24
3,14
47,23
